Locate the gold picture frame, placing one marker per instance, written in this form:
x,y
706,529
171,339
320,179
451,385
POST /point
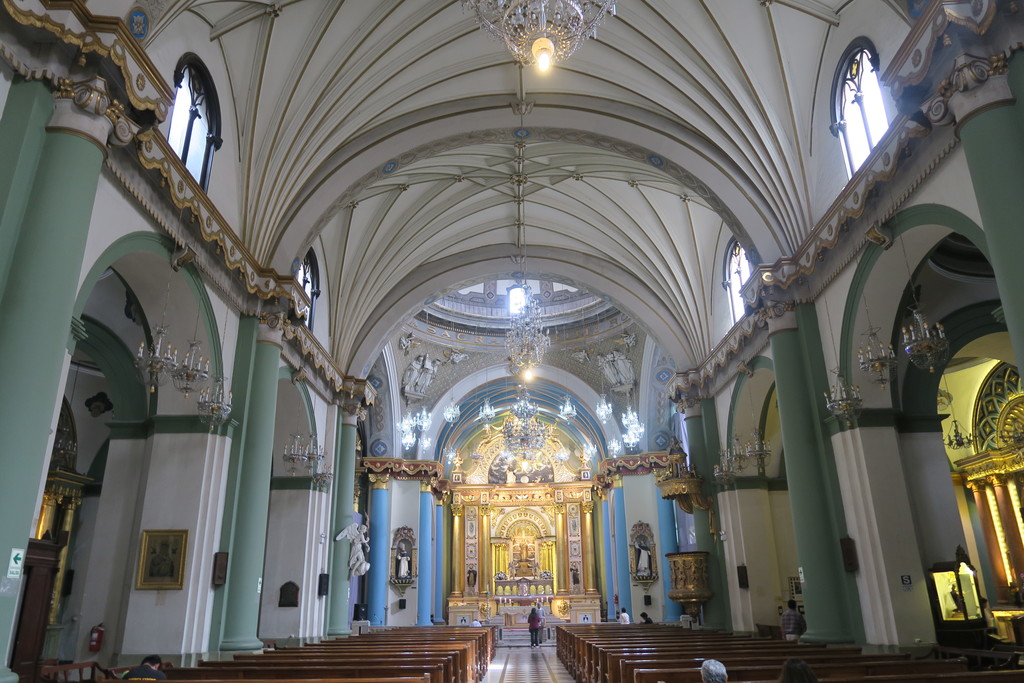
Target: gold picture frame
x,y
162,556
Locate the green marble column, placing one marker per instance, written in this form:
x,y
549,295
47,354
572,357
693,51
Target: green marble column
x,y
339,601
22,131
248,545
36,308
701,423
993,139
806,454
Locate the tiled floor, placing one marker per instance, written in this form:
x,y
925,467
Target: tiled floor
x,y
527,665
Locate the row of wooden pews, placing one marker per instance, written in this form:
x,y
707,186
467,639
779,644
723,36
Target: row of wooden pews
x,y
664,653
399,655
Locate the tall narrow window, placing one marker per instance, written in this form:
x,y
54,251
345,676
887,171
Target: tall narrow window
x,y
858,112
737,272
309,279
195,118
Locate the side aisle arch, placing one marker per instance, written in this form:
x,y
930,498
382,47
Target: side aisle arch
x,y
162,246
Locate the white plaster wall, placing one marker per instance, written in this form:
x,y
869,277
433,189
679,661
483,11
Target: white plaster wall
x,y
785,541
184,487
405,495
642,496
288,532
105,568
879,520
930,491
750,540
949,184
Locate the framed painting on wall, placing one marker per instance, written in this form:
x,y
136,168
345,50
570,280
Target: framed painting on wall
x,y
162,559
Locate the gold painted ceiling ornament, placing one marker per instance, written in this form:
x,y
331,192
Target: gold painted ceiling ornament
x,y
541,32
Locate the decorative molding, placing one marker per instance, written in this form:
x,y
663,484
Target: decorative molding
x,y
428,470
73,24
635,464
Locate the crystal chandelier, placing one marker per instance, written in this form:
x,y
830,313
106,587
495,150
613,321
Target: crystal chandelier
x,y
214,404
523,433
725,471
758,448
924,342
541,31
192,371
303,451
634,428
877,357
322,478
411,424
614,448
843,400
603,409
487,411
525,341
157,361
452,412
568,410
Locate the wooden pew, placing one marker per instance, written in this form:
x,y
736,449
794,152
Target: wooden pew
x,y
852,670
623,666
434,672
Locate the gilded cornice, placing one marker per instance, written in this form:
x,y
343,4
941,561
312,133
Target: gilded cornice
x,y
997,463
403,469
71,23
629,465
155,154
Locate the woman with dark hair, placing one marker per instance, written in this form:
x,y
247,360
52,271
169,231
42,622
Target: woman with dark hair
x,y
797,671
534,621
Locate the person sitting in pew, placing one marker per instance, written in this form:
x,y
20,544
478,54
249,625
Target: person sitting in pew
x,y
797,671
645,619
713,671
147,670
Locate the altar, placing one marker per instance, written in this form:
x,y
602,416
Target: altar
x,y
515,614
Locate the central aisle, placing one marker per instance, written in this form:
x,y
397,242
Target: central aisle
x,y
527,665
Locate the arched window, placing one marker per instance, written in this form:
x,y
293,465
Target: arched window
x,y
308,278
737,272
858,111
195,118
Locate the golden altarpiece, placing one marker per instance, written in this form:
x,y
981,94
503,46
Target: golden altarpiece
x,y
523,534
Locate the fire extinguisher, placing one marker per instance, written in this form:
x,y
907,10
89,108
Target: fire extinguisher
x,y
96,637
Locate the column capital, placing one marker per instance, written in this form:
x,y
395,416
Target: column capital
x,y
780,315
458,509
271,329
974,84
352,410
86,109
587,507
380,480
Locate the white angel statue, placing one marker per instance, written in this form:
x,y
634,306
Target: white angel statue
x,y
360,548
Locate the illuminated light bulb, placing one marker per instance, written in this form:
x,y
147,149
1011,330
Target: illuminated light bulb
x,y
543,49
528,374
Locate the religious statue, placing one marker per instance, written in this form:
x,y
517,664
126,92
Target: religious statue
x,y
403,568
643,556
617,368
360,548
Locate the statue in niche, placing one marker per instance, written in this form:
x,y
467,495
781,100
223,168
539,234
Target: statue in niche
x,y
617,368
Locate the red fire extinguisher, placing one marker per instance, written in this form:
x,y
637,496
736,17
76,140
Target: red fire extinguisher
x,y
96,637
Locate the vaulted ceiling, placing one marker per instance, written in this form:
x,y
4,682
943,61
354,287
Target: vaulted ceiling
x,y
385,130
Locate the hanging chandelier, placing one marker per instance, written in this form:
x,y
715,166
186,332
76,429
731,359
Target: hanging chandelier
x,y
634,428
603,409
877,357
541,31
192,371
487,411
412,424
725,470
758,448
957,440
214,404
525,341
843,400
452,412
523,433
614,448
157,361
925,342
568,410
304,451
322,478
